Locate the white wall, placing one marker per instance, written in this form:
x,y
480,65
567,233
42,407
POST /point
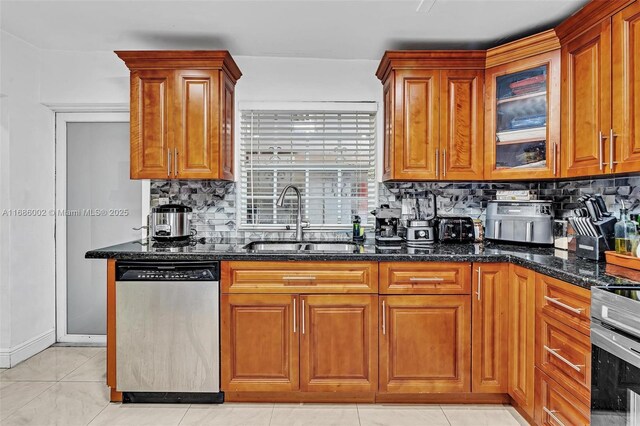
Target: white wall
x,y
27,243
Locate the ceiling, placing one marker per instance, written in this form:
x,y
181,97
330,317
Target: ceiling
x,y
340,29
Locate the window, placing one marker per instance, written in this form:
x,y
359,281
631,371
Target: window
x,y
328,153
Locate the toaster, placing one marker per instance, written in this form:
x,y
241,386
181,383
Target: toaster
x,y
520,221
456,229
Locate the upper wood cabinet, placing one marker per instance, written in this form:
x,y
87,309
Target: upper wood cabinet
x,y
600,93
489,328
433,115
522,107
182,113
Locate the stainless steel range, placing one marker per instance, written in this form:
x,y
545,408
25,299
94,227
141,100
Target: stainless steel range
x,y
615,366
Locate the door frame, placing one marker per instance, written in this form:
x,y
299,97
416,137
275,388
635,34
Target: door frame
x,y
63,116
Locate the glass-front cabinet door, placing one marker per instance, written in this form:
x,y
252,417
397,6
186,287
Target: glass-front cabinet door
x,y
523,118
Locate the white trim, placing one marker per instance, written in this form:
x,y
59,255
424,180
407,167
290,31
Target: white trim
x,y
369,106
88,108
12,356
62,118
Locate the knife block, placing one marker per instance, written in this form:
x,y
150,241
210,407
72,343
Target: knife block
x,y
591,248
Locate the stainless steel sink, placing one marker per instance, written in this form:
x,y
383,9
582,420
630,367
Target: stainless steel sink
x,y
291,246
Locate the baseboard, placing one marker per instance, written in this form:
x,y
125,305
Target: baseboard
x,y
11,357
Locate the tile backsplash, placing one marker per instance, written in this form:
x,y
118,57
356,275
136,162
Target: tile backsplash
x,y
214,203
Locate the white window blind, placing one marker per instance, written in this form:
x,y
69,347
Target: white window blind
x,y
328,155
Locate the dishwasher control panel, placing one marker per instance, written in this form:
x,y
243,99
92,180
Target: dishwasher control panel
x,y
164,271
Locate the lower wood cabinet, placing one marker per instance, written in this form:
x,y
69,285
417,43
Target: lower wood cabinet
x,y
424,344
339,343
522,337
489,327
312,343
557,406
259,342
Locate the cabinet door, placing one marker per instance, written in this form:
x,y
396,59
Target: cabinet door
x,y
522,337
197,130
227,124
388,141
339,341
461,124
424,344
151,124
259,342
415,147
489,327
625,135
522,118
556,406
586,102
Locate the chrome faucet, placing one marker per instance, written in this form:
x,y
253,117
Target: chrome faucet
x,y
299,223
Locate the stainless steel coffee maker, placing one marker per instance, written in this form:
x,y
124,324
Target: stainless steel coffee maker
x,y
387,221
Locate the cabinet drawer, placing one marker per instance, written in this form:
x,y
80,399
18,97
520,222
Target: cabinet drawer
x,y
564,355
425,278
556,405
565,302
299,277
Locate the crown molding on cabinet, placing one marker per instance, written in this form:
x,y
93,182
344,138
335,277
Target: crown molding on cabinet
x,y
181,59
591,14
524,48
430,59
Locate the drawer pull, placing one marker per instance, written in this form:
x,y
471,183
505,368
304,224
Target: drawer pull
x,y
552,414
554,352
564,305
299,278
426,279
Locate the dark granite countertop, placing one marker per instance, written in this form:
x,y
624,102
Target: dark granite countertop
x,y
581,272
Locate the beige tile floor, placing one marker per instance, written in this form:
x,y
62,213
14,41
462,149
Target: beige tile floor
x,y
66,386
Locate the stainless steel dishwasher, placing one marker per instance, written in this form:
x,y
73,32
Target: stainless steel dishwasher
x,y
167,331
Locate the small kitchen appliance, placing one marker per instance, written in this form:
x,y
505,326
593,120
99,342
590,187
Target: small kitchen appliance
x,y
170,222
421,219
529,222
387,220
615,354
456,229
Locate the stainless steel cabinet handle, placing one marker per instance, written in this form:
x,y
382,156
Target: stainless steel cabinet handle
x,y
426,279
601,139
529,231
294,315
437,162
309,278
479,282
384,319
612,136
444,162
555,159
564,305
302,316
552,414
168,162
555,353
496,229
175,158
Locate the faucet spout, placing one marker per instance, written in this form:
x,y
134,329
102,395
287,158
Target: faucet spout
x,y
299,223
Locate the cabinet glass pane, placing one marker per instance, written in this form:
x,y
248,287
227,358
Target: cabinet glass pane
x,y
521,119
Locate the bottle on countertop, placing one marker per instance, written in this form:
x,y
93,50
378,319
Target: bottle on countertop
x,y
626,234
358,231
